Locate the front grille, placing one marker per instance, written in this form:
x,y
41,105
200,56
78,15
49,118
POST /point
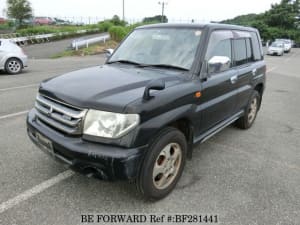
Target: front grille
x,y
60,116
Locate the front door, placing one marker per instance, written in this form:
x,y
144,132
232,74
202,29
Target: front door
x,y
219,98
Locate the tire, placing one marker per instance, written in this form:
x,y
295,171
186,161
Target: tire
x,y
163,164
13,66
247,120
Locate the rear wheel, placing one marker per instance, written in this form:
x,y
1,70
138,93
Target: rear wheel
x,y
163,164
248,119
13,66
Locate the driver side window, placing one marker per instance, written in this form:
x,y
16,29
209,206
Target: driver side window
x,y
219,48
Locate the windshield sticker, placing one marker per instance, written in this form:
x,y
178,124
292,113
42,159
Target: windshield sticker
x,y
198,33
161,37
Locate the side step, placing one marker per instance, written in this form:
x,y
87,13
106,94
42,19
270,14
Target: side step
x,y
216,129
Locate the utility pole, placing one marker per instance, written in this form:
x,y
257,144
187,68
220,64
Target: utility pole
x,y
162,10
123,10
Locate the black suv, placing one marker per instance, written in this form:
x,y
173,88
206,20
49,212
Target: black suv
x,y
164,89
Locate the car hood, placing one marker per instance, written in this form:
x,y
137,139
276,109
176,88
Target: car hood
x,y
107,87
274,49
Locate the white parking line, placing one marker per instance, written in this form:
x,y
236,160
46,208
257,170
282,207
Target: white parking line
x,y
35,190
13,115
18,87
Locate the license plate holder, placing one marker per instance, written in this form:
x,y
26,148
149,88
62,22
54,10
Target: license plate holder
x,y
45,143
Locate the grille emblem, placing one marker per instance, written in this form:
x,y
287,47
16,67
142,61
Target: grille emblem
x,y
50,111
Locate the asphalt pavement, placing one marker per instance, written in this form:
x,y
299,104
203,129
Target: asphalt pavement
x,y
243,177
48,49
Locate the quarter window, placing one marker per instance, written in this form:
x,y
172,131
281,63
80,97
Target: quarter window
x,y
249,50
257,53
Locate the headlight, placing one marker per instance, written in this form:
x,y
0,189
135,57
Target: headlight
x,y
109,125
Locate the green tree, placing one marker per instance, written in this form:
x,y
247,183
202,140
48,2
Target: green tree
x,y
262,27
281,21
244,20
282,15
297,10
117,21
155,19
19,10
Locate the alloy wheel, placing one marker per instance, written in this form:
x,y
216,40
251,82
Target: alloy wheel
x,y
167,165
252,110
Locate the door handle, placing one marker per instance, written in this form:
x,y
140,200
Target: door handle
x,y
254,72
233,79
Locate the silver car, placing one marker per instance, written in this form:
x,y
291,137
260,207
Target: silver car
x,y
12,57
277,48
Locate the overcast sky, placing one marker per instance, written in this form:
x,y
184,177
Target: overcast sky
x,y
200,10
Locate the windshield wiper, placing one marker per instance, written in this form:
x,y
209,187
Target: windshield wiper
x,y
168,66
124,61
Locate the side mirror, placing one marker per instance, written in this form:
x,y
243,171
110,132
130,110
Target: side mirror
x,y
153,85
109,52
218,64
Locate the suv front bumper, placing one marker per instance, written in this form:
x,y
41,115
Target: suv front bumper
x,y
103,161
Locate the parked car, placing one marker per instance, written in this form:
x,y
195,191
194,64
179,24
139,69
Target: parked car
x,y
164,89
43,21
276,48
2,20
296,45
12,57
28,22
287,44
61,22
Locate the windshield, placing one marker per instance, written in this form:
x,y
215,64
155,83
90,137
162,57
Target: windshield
x,y
277,45
159,46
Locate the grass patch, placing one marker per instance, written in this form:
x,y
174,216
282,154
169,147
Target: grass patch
x,y
91,50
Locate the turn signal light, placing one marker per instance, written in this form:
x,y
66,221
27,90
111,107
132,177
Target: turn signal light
x,y
198,94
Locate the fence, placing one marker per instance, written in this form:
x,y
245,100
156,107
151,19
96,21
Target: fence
x,y
40,38
79,43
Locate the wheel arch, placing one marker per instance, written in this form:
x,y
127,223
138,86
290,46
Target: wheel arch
x,y
185,126
13,57
260,89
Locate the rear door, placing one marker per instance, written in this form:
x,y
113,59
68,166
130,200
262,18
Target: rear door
x,y
247,61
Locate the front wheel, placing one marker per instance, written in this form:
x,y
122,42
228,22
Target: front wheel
x,y
248,119
13,66
163,164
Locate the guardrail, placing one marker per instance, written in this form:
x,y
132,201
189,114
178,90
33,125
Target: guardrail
x,y
80,43
40,38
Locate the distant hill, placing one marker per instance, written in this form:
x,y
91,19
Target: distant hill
x,y
244,20
280,21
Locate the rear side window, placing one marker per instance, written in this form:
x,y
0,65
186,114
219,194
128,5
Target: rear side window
x,y
243,51
240,52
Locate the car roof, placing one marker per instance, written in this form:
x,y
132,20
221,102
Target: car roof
x,y
4,40
213,26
